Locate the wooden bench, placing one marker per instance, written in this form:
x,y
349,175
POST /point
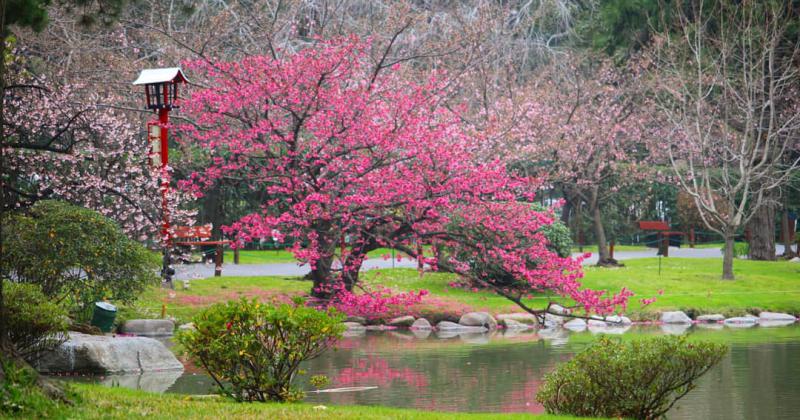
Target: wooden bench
x,y
199,236
662,228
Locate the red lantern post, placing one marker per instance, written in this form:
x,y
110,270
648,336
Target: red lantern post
x,y
161,92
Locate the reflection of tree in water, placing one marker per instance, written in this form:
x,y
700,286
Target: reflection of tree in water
x,y
375,371
523,398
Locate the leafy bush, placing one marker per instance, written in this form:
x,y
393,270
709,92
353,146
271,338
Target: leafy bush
x,y
33,323
640,379
75,255
254,351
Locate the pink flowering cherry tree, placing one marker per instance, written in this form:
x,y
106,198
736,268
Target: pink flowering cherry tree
x,y
353,157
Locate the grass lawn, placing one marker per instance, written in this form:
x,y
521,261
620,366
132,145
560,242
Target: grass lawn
x,y
96,402
688,284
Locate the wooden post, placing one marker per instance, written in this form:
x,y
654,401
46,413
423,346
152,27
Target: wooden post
x,y
236,255
163,310
691,237
218,261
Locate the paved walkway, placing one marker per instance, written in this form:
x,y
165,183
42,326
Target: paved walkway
x,y
196,271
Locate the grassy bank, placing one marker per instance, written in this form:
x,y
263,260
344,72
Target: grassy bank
x,y
687,284
96,402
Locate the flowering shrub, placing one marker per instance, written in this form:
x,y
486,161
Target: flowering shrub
x,y
254,351
640,379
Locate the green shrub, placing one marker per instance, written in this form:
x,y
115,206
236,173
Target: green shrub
x,y
75,255
641,379
33,323
254,351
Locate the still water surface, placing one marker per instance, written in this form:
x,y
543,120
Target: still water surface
x,y
758,379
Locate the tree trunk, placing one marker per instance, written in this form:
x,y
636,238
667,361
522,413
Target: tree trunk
x,y
727,258
321,275
604,258
786,235
762,228
566,209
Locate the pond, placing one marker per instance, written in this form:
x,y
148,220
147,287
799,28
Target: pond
x,y
501,372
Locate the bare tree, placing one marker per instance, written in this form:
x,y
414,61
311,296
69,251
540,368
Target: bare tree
x,y
726,79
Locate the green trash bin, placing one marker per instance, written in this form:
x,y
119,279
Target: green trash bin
x,y
104,315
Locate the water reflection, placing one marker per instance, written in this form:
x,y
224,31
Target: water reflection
x,y
501,372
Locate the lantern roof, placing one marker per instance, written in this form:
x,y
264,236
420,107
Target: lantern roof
x,y
164,75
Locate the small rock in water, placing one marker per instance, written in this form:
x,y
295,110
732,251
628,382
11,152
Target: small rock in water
x,y
675,317
402,321
421,324
776,316
710,318
522,317
576,325
452,326
510,324
354,326
596,321
618,320
478,319
357,319
379,328
742,321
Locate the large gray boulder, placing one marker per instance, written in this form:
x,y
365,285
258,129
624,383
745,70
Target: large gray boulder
x,y
478,319
401,321
100,354
148,327
448,326
675,317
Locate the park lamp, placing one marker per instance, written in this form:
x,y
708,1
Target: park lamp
x,y
161,86
161,94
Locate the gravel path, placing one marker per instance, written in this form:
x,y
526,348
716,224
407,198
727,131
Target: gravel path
x,y
195,271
